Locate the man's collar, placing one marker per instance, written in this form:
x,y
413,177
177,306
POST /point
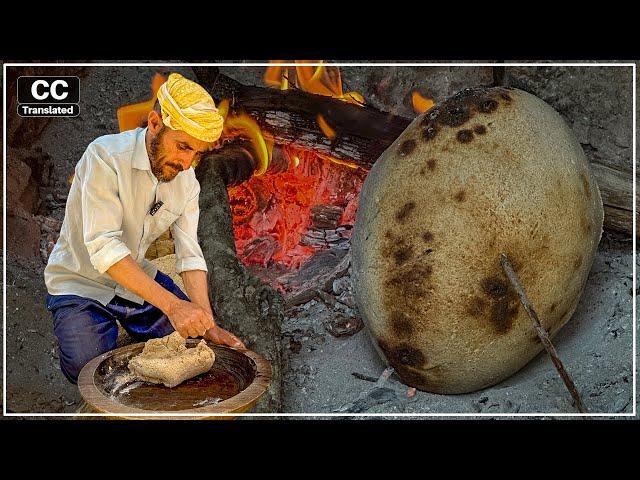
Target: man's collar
x,y
140,155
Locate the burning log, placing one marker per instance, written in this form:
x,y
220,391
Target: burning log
x,y
291,117
325,217
325,239
362,133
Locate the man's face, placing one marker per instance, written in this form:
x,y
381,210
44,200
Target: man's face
x,y
172,151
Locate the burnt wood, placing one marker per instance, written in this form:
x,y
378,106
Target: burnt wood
x,y
364,132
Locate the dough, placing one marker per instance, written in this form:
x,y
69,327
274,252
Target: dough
x,y
490,170
168,361
167,265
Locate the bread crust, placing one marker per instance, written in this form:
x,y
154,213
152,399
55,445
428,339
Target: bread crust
x,y
490,170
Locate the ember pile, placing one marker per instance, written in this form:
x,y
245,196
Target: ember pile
x,y
286,217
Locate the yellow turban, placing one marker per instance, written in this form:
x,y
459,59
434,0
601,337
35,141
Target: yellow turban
x,y
188,107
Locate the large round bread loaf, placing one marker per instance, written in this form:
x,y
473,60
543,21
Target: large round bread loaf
x,y
491,170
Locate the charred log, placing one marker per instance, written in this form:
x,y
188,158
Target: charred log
x,y
291,117
234,162
326,217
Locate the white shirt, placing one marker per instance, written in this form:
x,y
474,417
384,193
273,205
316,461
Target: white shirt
x,y
107,218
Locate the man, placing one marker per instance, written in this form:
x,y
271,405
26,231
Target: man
x,y
127,190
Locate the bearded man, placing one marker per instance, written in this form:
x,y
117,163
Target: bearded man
x,y
127,190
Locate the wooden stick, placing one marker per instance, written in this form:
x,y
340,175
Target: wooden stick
x,y
542,333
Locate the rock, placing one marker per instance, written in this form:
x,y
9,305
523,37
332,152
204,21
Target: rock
x,y
597,104
18,174
390,88
23,233
242,303
341,285
340,325
489,171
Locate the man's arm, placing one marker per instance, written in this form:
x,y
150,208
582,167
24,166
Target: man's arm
x,y
195,284
189,319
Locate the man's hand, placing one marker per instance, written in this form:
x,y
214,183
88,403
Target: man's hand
x,y
189,319
195,282
221,336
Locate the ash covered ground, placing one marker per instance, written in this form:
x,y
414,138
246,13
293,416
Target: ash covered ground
x,y
595,346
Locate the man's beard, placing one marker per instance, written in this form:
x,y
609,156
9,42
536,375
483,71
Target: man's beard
x,y
156,154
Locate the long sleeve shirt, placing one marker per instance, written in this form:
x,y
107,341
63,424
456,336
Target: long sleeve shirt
x,y
109,216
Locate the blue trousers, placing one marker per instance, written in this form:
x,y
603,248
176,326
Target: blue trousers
x,y
85,328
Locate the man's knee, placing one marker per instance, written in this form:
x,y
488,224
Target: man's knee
x,y
83,333
72,360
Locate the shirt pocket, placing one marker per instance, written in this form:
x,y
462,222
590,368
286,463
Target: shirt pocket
x,y
160,223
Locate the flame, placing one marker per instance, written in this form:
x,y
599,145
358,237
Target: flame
x,y
354,97
420,103
285,79
133,115
321,80
243,124
318,80
223,108
339,162
329,132
273,74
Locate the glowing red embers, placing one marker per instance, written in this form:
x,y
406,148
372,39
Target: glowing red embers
x,y
243,203
272,212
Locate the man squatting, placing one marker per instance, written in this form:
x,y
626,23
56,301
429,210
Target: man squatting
x,y
127,190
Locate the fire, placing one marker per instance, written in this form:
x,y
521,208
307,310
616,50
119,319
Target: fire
x,y
133,115
329,132
321,80
272,213
244,125
277,76
273,75
420,103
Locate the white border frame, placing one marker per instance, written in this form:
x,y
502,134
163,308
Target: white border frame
x,y
265,64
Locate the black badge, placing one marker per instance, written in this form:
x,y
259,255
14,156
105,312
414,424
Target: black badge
x,y
156,207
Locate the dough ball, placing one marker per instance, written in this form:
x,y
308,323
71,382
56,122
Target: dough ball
x,y
168,361
490,170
